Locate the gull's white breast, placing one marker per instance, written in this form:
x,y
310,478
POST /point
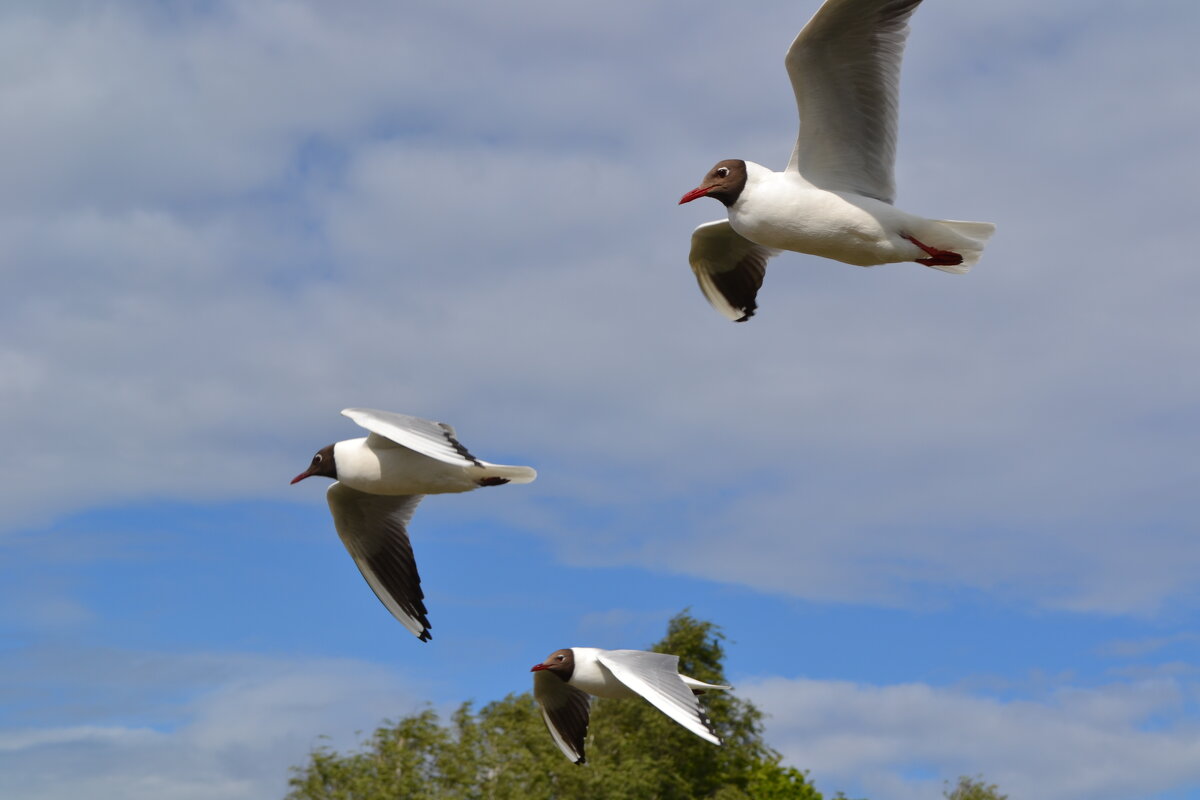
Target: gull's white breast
x,y
593,677
784,211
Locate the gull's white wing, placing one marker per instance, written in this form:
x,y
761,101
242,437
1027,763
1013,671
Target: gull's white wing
x,y
655,676
429,438
729,268
374,529
845,72
433,439
565,710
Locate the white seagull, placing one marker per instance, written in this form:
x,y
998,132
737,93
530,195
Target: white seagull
x,y
835,197
562,683
380,478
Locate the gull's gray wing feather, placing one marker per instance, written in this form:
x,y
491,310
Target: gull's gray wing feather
x,y
374,528
566,711
429,438
729,268
655,676
845,72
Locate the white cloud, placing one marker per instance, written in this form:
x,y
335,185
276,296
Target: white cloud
x,y
1132,648
223,224
1105,743
230,224
248,720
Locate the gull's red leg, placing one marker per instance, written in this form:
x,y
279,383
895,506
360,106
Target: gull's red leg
x,y
937,258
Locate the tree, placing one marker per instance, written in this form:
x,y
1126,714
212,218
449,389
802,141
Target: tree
x,y
973,789
503,752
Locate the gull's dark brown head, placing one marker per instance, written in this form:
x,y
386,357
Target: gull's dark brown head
x,y
322,464
560,662
723,182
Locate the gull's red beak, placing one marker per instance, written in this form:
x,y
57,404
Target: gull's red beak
x,y
301,476
537,667
699,191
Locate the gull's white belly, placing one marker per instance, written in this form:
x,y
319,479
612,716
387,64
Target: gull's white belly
x,y
860,231
398,471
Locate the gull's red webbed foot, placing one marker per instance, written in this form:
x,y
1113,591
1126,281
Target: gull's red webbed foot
x,y
937,258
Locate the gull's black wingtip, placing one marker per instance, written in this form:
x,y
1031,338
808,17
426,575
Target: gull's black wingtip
x,y
747,312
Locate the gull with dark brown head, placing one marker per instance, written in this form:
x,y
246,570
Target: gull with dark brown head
x,y
835,197
564,682
379,480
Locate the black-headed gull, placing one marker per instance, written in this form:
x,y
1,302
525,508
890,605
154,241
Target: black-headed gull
x,y
835,197
562,683
380,478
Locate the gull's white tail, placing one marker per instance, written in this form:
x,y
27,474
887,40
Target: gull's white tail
x,y
509,473
700,687
965,238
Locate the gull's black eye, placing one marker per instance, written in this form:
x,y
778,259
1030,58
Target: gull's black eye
x,y
722,172
317,458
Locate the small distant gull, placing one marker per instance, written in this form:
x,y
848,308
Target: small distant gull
x,y
835,197
380,479
562,683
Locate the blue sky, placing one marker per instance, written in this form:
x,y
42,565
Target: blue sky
x,y
948,524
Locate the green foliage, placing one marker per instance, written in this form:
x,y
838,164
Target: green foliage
x,y
769,780
399,761
503,751
974,789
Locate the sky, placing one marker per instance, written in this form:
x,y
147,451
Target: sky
x,y
948,524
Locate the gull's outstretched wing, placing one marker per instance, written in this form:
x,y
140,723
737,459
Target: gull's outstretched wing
x,y
729,268
845,73
433,439
655,676
565,710
374,528
429,438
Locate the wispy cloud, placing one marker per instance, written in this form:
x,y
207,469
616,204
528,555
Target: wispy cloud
x,y
225,222
319,227
1134,648
247,720
1115,741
